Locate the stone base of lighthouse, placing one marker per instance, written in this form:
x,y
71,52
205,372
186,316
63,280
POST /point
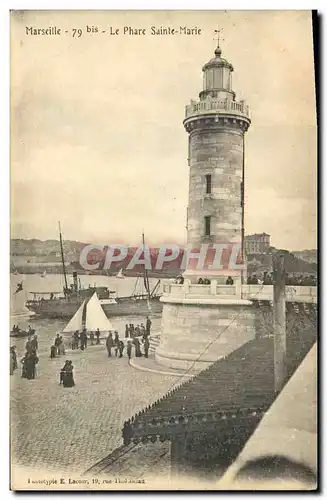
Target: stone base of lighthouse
x,y
198,331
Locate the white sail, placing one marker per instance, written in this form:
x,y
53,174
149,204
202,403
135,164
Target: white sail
x,y
76,323
95,316
120,274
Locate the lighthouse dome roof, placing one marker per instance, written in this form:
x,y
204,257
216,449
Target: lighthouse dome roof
x,y
218,61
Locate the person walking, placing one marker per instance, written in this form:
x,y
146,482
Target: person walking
x,y
34,361
97,334
142,331
129,349
126,331
53,351
76,339
34,343
24,364
57,342
121,347
28,345
11,363
68,376
13,360
116,342
146,347
109,343
138,353
61,348
92,338
63,372
148,324
29,363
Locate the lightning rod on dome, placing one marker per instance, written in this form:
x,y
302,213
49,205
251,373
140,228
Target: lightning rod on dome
x,y
218,34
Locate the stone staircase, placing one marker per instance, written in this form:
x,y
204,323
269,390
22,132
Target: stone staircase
x,y
154,341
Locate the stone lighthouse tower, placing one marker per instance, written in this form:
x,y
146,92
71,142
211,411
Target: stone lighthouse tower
x,y
202,322
216,125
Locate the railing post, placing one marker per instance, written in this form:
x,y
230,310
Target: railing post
x,y
238,288
279,313
186,287
213,287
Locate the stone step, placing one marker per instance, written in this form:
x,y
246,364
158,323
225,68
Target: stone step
x,y
154,342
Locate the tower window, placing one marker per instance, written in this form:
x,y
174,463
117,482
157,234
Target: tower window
x,y
208,184
207,225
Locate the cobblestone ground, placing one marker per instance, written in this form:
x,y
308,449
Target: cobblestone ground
x,y
70,429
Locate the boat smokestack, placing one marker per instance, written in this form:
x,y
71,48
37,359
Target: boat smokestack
x,y
75,281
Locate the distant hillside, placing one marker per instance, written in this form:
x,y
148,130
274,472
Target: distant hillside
x,y
307,255
36,247
34,255
293,263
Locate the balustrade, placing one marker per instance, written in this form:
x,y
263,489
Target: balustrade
x,y
208,106
250,292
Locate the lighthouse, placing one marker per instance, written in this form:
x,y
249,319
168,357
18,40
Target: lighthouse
x,y
216,124
213,314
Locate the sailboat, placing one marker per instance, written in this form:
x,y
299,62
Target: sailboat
x,y
43,275
120,274
144,303
66,304
89,316
54,304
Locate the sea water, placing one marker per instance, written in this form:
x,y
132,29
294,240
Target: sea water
x,y
47,328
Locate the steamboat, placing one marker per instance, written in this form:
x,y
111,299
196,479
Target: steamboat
x,y
65,304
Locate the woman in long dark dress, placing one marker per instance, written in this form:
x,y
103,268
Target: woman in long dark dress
x,y
63,372
68,378
116,342
138,353
129,349
109,343
13,360
34,361
29,362
23,362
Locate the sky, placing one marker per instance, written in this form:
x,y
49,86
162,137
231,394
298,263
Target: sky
x,y
97,139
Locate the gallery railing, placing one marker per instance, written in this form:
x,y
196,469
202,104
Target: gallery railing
x,y
250,292
211,105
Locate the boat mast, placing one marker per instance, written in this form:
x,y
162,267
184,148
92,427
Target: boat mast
x,y
62,258
146,277
84,313
136,283
155,288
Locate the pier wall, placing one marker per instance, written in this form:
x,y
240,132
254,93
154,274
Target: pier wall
x,y
203,323
190,329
